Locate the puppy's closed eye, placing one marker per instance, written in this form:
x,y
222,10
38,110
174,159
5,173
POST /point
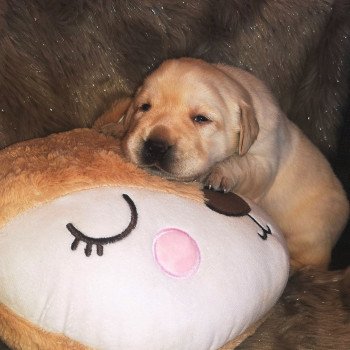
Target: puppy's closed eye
x,y
200,119
145,107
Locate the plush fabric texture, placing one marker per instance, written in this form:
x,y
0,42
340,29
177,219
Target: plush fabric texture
x,y
95,252
18,333
39,170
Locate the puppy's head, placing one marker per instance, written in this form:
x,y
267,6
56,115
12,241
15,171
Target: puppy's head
x,y
187,116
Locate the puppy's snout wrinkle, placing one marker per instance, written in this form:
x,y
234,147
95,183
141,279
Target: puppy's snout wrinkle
x,y
154,151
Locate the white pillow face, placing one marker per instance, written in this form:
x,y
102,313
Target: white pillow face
x,y
139,269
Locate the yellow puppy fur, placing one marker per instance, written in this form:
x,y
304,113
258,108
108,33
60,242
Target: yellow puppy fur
x,y
221,126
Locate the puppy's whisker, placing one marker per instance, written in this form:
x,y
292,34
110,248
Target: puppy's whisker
x,y
150,167
158,171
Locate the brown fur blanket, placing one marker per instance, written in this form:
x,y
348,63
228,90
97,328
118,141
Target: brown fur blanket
x,y
63,62
312,314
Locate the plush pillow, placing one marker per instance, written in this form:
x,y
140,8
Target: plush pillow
x,y
96,253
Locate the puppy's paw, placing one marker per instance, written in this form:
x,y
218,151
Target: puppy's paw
x,y
219,181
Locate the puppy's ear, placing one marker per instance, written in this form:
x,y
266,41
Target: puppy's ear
x,y
112,122
249,128
131,111
128,117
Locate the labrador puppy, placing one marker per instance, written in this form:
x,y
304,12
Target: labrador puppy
x,y
195,121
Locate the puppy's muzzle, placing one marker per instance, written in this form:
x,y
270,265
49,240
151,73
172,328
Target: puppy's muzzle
x,y
156,151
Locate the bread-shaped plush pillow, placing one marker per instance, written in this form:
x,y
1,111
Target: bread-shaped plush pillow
x,y
96,253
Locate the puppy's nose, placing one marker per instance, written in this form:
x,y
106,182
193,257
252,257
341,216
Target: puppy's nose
x,y
154,150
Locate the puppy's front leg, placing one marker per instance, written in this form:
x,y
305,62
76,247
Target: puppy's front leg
x,y
220,178
249,176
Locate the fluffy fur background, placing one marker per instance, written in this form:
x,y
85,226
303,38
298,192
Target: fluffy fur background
x,y
63,62
313,313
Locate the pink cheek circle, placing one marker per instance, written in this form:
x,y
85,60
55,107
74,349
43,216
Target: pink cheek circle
x,y
176,253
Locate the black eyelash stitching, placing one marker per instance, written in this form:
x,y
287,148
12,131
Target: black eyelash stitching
x,y
99,242
243,209
266,232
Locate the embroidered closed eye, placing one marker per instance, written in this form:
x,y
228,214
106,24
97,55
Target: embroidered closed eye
x,y
100,242
230,204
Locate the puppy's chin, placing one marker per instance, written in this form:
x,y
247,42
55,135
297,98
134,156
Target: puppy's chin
x,y
171,174
172,168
